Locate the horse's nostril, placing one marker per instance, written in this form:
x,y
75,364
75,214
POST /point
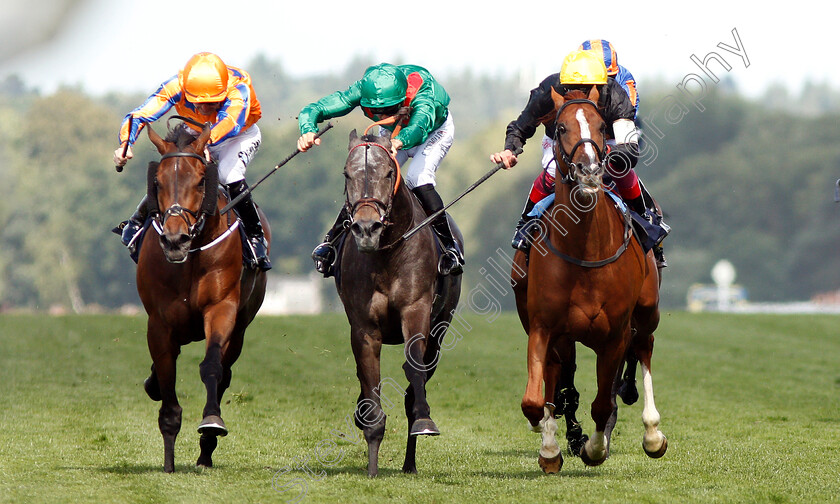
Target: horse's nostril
x,y
355,228
376,227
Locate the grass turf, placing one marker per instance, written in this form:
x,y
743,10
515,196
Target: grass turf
x,y
749,404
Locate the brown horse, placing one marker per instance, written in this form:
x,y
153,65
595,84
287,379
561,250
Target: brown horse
x,y
586,281
194,286
391,291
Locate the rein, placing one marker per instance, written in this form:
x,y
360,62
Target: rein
x,y
569,180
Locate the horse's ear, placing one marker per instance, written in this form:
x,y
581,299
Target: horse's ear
x,y
558,100
158,142
201,142
354,139
594,94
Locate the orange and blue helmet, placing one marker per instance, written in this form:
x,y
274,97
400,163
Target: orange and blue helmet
x,y
607,50
204,78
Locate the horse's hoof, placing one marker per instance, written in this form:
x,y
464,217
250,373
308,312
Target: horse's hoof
x,y
213,425
152,389
409,470
424,427
576,444
551,465
628,392
590,461
655,454
201,462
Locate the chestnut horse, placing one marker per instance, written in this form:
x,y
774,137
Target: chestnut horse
x,y
194,286
586,281
391,291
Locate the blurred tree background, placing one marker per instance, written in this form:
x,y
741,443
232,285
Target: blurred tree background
x,y
746,180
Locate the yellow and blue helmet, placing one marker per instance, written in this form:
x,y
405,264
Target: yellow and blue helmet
x,y
607,50
583,67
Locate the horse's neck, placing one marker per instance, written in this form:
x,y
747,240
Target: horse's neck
x,y
403,211
583,224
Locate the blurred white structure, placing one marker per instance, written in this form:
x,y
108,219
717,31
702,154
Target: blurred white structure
x,y
286,294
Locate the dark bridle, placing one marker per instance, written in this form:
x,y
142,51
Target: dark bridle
x,y
567,158
382,208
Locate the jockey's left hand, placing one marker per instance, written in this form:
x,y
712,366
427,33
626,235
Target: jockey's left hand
x,y
395,146
207,154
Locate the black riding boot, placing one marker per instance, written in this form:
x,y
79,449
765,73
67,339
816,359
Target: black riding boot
x,y
522,236
325,254
251,220
452,260
129,229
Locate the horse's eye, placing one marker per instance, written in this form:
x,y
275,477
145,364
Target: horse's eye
x,y
390,174
561,128
603,128
346,175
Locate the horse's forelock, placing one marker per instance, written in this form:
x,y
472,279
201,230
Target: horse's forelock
x,y
575,94
180,137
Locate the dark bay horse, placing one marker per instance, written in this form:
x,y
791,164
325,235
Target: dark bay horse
x,y
193,284
391,291
586,281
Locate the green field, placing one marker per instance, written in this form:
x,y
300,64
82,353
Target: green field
x,y
750,405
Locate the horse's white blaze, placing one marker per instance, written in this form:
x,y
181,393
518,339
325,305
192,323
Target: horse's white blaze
x,y
650,416
549,448
585,134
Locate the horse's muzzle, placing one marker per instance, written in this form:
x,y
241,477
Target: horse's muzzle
x,y
367,233
176,246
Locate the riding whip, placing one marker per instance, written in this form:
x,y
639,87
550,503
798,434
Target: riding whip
x,y
469,189
125,149
244,193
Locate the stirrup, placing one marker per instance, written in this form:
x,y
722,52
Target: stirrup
x,y
259,247
450,263
521,239
128,232
324,256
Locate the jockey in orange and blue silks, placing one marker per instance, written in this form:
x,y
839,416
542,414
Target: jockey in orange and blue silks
x,y
208,91
425,136
614,70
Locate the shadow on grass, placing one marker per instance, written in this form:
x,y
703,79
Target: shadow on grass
x,y
151,469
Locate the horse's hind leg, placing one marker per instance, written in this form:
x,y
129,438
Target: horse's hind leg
x,y
566,399
596,449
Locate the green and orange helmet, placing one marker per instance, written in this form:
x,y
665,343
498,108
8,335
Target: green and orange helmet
x,y
382,86
204,78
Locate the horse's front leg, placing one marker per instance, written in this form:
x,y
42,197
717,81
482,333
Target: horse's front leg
x,y
218,325
654,443
533,401
369,416
422,355
164,352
